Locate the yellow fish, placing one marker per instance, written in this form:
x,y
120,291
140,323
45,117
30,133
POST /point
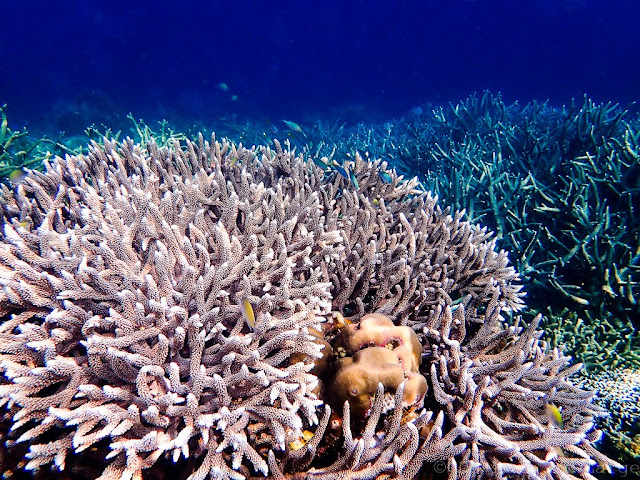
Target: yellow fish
x,y
17,176
339,322
297,444
300,442
247,313
555,415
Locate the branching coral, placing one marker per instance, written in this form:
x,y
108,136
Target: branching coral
x,y
121,304
19,150
558,185
126,280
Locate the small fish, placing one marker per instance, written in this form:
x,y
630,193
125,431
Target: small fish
x,y
274,129
223,86
247,313
555,415
340,170
335,423
17,176
293,126
297,444
234,98
352,177
319,163
339,321
234,160
385,177
376,202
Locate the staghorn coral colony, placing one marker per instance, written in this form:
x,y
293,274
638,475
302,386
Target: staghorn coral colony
x,y
559,186
193,311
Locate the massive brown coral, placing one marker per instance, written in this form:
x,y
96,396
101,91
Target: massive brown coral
x,y
378,352
160,306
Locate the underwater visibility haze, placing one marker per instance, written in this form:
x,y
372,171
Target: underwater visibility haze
x,y
320,240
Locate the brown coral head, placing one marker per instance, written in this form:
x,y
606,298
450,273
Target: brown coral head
x,y
415,389
357,378
379,330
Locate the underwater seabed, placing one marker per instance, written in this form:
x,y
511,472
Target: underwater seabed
x,y
560,187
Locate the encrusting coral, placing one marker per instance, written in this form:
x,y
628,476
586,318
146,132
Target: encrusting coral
x,y
161,309
618,390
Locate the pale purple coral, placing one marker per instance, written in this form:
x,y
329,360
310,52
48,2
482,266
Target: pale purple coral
x,y
123,279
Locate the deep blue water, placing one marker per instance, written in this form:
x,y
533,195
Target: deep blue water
x,y
63,64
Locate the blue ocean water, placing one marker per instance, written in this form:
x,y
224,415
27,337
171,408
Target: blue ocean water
x,y
66,64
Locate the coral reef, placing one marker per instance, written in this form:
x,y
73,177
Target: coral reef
x,y
17,151
556,184
559,186
127,321
618,390
161,309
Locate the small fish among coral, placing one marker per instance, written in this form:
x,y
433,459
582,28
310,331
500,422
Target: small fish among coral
x,y
248,314
300,442
555,415
293,126
17,176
